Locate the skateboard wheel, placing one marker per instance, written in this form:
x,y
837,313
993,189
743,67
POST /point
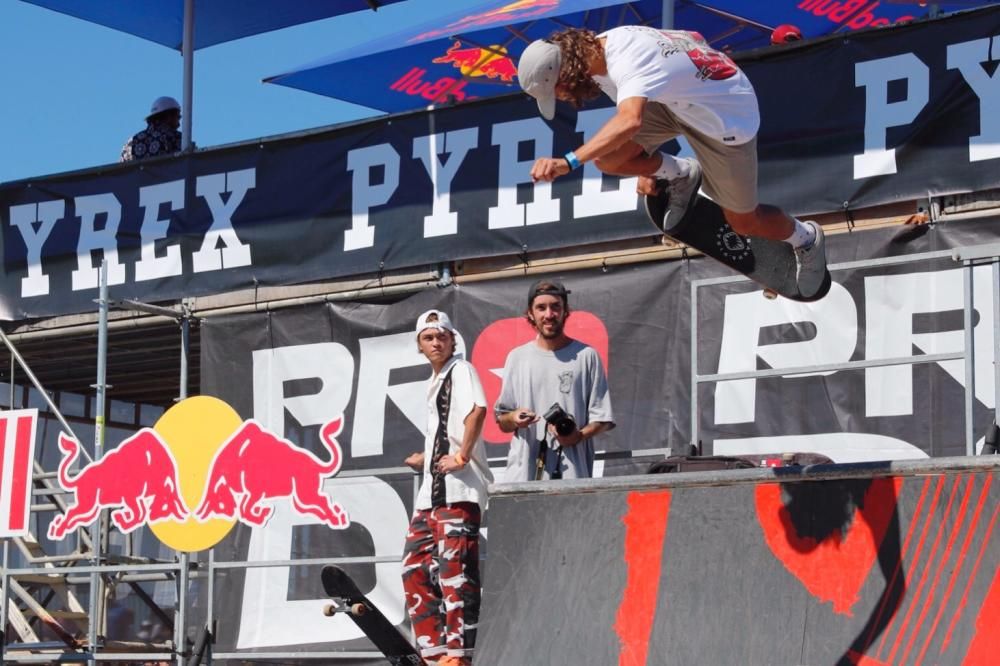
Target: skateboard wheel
x,y
329,610
770,294
358,609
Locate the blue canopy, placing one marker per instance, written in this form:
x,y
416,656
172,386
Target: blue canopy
x,y
465,55
216,21
472,53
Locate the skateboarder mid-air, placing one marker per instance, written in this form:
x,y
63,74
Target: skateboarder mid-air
x,y
667,83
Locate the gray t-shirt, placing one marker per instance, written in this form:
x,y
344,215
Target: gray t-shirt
x,y
536,379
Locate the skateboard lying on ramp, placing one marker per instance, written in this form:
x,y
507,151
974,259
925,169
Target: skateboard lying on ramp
x,y
769,263
348,599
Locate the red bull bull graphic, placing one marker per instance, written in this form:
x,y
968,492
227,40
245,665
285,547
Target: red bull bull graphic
x,y
138,480
255,465
200,454
491,62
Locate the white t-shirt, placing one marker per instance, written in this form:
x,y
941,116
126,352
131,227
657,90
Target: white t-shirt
x,y
701,86
469,483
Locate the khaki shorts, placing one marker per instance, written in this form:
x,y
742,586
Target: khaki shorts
x,y
729,172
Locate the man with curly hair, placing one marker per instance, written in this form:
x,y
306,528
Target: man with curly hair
x,y
667,83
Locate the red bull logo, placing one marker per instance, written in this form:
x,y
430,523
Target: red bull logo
x,y
492,62
855,14
196,473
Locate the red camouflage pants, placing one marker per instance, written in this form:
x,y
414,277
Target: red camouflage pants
x,y
441,578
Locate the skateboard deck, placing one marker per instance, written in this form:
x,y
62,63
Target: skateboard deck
x,y
769,263
349,599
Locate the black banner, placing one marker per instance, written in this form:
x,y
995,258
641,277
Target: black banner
x,y
850,121
888,114
306,365
295,369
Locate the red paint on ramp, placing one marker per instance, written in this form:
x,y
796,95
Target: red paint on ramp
x,y
645,530
833,569
985,646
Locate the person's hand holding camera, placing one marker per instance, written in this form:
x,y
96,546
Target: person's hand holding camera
x,y
571,439
562,426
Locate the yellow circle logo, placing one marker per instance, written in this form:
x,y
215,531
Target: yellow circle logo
x,y
194,430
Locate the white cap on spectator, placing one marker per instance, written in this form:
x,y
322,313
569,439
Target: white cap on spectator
x,y
434,319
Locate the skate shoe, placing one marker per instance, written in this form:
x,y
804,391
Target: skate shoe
x,y
811,262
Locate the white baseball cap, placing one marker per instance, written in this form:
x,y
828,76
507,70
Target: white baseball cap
x,y
161,104
538,73
441,321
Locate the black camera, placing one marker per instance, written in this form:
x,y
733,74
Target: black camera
x,y
560,420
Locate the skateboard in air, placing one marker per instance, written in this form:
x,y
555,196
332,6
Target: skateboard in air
x,y
769,263
369,619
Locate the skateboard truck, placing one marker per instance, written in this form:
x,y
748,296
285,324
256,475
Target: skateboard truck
x,y
339,606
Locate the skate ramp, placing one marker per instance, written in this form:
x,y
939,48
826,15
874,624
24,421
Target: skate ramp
x,y
838,564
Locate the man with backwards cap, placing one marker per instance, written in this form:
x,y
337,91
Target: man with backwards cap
x,y
667,83
161,136
553,369
441,555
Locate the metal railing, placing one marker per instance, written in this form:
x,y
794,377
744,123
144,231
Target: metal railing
x,y
970,257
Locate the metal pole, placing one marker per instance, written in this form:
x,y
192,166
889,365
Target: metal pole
x,y
185,349
3,595
996,336
970,366
180,632
210,602
6,542
100,389
695,434
187,52
668,14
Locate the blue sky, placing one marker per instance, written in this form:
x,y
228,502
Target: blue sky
x,y
73,92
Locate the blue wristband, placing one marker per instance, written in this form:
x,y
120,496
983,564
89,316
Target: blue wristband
x,y
572,160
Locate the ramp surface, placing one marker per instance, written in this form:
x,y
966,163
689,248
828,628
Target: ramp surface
x,y
838,564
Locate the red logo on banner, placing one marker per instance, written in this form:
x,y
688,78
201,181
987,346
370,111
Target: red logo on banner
x,y
500,337
195,473
17,455
492,62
